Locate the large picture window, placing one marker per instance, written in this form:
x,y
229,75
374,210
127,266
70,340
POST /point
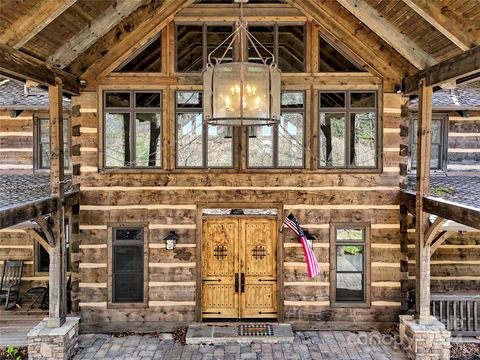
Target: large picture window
x,y
349,257
439,144
282,145
132,130
348,129
43,143
199,145
128,265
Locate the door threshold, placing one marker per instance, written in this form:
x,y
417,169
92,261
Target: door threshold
x,y
221,333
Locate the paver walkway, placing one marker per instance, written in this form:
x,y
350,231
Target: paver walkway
x,y
306,345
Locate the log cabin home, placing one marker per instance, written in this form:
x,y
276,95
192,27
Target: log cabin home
x,y
173,221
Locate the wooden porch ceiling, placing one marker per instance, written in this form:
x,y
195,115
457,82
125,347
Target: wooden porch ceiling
x,y
75,34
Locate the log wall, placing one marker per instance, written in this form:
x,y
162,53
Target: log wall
x,y
464,142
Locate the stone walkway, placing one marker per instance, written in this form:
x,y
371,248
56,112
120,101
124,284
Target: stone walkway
x,y
306,345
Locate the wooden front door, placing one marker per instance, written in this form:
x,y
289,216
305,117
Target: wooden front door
x,y
239,268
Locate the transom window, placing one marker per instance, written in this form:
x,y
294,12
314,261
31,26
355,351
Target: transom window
x,y
43,143
282,145
199,145
147,59
332,60
349,256
439,144
348,129
133,129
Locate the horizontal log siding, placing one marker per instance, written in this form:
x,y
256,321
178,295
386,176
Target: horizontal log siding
x,y
464,142
16,141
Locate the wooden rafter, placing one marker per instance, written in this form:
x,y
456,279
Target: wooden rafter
x,y
439,240
39,16
136,39
16,64
452,26
88,36
465,64
388,32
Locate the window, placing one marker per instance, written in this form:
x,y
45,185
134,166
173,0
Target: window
x,y
349,257
348,130
282,145
128,265
195,41
332,60
438,148
148,59
199,145
42,256
43,143
133,129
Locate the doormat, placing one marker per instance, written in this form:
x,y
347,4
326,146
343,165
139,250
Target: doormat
x,y
255,330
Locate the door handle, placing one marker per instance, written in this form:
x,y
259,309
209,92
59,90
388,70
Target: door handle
x,y
236,282
242,283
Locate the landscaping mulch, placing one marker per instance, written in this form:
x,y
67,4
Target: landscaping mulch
x,y
180,335
22,352
465,351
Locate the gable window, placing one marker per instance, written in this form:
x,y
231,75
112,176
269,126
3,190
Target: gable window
x,y
128,265
349,257
332,60
132,129
199,145
147,59
438,148
43,143
282,145
348,134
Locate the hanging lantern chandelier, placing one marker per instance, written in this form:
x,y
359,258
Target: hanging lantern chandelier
x,y
241,93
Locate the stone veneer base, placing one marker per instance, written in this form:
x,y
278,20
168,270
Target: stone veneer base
x,y
424,342
53,343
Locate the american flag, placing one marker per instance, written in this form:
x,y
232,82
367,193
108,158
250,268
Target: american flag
x,y
313,268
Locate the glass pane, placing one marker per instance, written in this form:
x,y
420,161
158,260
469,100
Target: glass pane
x,y
128,258
220,146
215,36
362,100
66,156
45,131
117,140
148,60
331,60
45,156
291,48
189,140
128,287
349,234
265,35
436,131
332,139
148,139
290,140
260,147
350,258
363,142
43,259
292,100
187,99
148,100
189,48
435,157
349,287
117,99
128,234
332,100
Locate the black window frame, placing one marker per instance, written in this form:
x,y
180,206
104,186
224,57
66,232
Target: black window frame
x,y
275,131
204,165
132,110
348,110
38,143
140,243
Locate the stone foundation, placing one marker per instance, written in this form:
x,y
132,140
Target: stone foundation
x,y
424,342
53,343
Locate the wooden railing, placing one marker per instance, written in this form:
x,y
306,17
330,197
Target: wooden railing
x,y
459,312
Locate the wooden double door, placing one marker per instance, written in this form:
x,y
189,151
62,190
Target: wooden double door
x,y
239,268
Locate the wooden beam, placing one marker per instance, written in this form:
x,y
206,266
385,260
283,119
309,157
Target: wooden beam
x,y
149,28
89,35
422,252
439,240
16,214
446,21
16,64
34,235
465,64
37,18
433,230
388,32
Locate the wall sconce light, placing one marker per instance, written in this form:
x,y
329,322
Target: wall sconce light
x,y
171,240
310,238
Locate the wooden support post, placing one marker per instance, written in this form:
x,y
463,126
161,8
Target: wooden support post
x,y
58,265
422,252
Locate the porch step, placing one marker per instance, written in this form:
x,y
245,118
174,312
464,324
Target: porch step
x,y
223,333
